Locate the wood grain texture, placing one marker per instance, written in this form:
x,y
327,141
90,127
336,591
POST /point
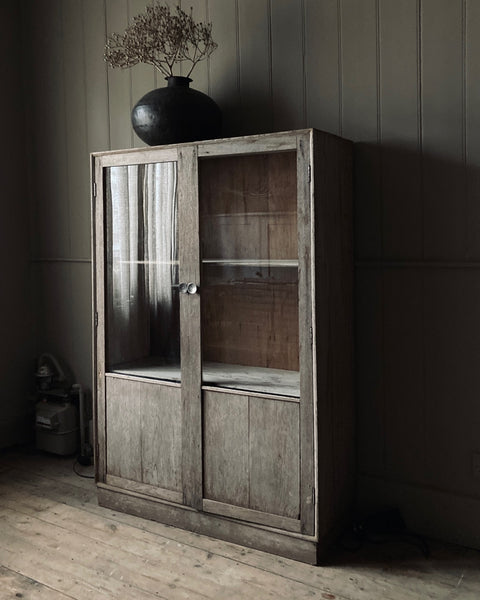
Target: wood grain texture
x,y
306,324
145,555
333,335
248,211
274,456
226,450
190,334
144,433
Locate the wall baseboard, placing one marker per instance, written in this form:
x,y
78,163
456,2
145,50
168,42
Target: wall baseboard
x,y
433,513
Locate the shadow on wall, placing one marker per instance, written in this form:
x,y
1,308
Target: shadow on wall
x,y
417,228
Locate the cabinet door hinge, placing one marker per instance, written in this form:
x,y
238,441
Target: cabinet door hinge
x,y
309,173
313,496
311,336
96,319
94,189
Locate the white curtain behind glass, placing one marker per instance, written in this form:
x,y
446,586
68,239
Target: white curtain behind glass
x,y
142,271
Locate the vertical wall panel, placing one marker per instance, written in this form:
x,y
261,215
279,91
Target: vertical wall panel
x,y
360,118
403,374
287,65
143,76
224,65
255,66
323,65
78,189
96,84
472,126
370,371
119,82
199,74
77,345
47,118
442,116
400,121
452,300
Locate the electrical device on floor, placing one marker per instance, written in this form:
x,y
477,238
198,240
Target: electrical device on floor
x,y
60,422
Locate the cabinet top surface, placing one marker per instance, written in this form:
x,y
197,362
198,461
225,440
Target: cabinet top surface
x,y
205,145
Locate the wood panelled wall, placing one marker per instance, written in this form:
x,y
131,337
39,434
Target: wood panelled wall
x,y
399,77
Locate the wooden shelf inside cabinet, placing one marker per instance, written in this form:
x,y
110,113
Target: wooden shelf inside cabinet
x,y
258,380
244,262
224,405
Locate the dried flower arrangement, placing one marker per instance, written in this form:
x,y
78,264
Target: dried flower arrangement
x,y
161,38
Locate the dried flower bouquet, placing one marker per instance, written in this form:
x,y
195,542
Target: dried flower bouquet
x,y
161,38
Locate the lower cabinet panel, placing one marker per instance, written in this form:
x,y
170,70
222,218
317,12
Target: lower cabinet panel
x,y
144,433
251,457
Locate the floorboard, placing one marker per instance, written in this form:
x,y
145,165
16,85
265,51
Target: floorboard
x,y
56,543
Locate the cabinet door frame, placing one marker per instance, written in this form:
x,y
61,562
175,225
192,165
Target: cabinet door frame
x,y
99,162
301,143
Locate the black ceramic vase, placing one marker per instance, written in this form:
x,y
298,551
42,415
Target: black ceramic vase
x,y
176,113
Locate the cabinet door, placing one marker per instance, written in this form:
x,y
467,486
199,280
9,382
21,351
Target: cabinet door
x,y
255,326
138,338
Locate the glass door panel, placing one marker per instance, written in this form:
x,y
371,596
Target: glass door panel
x,y
142,304
249,295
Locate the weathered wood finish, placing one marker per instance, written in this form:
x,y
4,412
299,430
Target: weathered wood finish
x,y
248,211
252,454
267,471
144,433
57,543
306,316
190,340
332,181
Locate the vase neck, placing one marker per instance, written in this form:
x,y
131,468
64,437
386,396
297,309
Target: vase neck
x,y
178,81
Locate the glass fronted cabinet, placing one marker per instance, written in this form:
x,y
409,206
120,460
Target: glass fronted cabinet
x,y
223,337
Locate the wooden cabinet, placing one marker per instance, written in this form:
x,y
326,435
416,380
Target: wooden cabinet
x,y
223,337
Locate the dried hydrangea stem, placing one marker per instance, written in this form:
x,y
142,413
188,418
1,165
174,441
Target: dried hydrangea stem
x,y
162,39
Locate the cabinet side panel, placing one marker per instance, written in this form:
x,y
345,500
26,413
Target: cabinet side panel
x,y
334,327
98,277
305,306
226,448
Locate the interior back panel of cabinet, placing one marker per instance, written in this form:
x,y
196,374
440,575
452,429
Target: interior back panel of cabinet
x,y
248,230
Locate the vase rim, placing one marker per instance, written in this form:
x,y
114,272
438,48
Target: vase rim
x,y
178,79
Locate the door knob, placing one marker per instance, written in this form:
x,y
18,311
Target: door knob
x,y
188,288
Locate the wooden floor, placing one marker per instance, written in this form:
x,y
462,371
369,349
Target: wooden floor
x,y
57,543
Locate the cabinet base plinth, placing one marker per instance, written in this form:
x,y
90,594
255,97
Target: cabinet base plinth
x,y
259,538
